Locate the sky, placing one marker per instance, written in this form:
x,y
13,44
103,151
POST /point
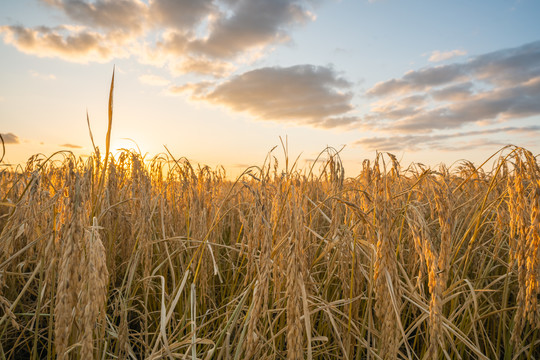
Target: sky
x,y
221,81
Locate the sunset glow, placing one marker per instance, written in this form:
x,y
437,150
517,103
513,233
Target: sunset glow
x,y
219,81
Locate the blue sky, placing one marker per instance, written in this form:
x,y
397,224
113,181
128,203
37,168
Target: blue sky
x,y
219,81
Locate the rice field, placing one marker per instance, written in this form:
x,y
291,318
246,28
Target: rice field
x,y
152,258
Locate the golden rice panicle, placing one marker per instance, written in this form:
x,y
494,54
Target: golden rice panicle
x,y
503,214
441,262
280,224
385,267
70,272
121,312
533,263
251,224
524,203
141,216
444,206
250,229
93,298
204,220
295,279
429,256
261,289
533,244
24,205
82,277
112,219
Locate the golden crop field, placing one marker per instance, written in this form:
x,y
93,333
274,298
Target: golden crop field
x,y
135,259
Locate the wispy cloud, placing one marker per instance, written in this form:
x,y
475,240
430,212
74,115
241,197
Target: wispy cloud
x,y
302,94
437,56
498,86
446,141
35,74
419,80
203,66
68,43
71,146
10,138
196,90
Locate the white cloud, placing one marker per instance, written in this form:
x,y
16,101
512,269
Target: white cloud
x,y
437,56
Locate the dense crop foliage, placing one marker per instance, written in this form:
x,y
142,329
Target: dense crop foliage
x,y
157,259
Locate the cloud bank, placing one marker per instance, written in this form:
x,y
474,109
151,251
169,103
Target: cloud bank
x,y
301,94
499,86
203,37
